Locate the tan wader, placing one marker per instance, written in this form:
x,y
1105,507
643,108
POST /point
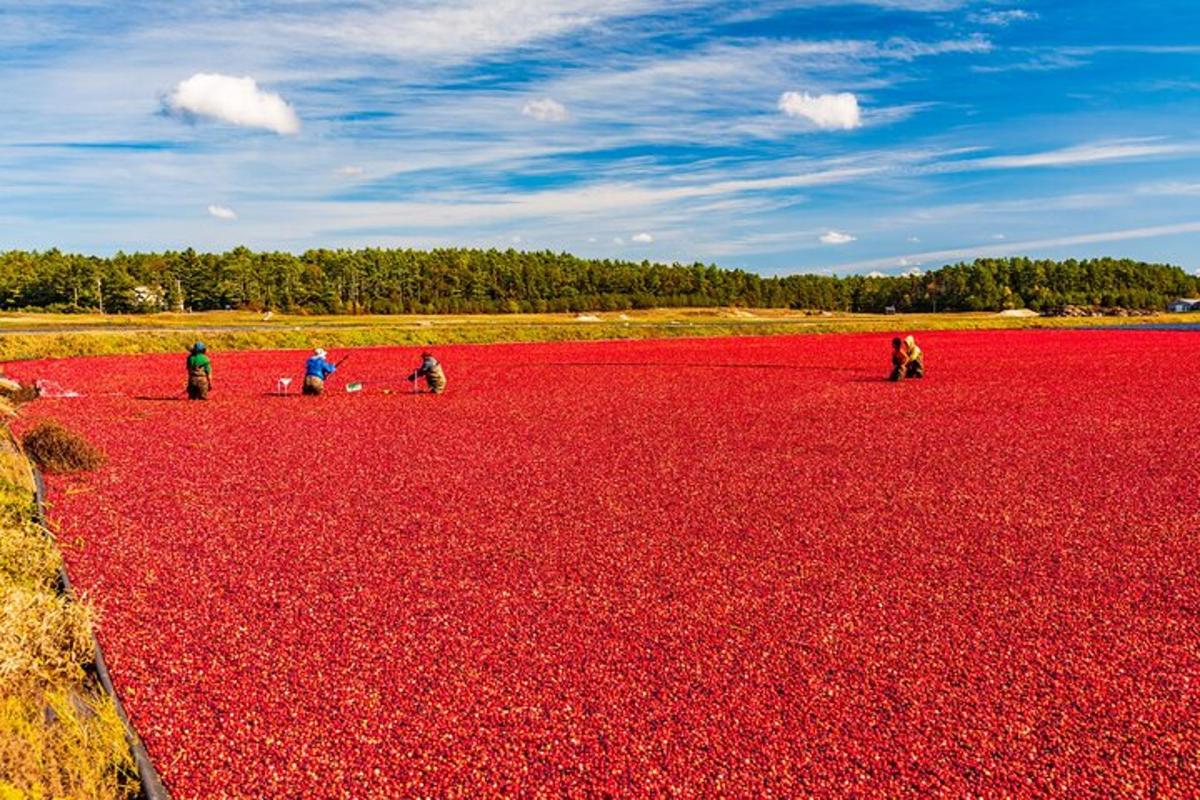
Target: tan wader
x,y
313,385
436,379
198,384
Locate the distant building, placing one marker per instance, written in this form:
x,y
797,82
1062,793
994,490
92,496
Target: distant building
x,y
1184,304
150,297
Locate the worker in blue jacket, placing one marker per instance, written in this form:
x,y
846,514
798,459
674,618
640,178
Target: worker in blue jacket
x,y
316,371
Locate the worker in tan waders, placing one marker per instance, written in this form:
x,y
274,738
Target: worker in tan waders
x,y
199,371
916,359
432,372
316,370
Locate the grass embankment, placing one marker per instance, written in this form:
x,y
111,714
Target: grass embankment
x,y
26,336
60,735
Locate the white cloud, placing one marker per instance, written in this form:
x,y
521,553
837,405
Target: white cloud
x,y
618,240
876,274
545,109
350,171
222,212
998,236
914,239
1003,19
836,237
642,238
238,101
826,111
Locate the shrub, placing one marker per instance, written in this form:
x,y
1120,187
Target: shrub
x,y
25,394
57,449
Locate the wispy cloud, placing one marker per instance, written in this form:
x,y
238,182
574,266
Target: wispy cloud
x,y
1002,18
1086,154
1041,62
1030,247
464,29
1047,59
222,212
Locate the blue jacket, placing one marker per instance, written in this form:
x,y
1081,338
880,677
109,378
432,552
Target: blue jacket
x,y
318,367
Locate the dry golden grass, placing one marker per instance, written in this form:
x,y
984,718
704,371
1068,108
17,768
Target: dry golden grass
x,y
62,744
45,639
28,557
15,473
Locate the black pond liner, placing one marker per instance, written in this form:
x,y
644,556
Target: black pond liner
x,y
151,784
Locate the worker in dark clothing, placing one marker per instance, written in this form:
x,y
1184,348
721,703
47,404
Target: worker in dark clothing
x,y
899,360
316,371
199,371
915,368
432,372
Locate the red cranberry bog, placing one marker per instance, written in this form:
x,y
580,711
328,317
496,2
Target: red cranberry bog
x,y
745,567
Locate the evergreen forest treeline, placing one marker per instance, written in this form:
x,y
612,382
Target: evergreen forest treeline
x,y
473,281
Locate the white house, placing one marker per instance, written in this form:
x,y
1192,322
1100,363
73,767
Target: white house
x,y
150,297
1184,304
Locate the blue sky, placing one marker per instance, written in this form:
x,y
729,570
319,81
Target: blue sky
x,y
883,135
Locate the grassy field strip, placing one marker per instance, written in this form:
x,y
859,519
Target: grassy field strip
x,y
66,336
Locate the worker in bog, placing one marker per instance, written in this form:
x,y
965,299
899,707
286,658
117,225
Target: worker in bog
x,y
316,371
899,360
915,368
199,372
432,372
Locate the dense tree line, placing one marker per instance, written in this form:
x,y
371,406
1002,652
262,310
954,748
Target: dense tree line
x,y
465,281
